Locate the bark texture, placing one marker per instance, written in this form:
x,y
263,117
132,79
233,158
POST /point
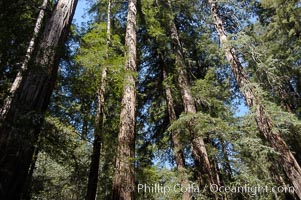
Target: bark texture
x,y
199,151
24,67
99,121
264,122
20,127
123,182
177,146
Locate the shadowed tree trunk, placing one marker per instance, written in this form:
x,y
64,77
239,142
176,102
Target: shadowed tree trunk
x,y
123,181
26,195
20,127
99,121
199,151
264,122
177,146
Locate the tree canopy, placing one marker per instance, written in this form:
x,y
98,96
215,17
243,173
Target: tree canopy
x,y
150,99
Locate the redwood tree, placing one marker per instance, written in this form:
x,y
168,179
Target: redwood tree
x,y
99,119
199,151
7,103
265,124
19,128
176,138
123,181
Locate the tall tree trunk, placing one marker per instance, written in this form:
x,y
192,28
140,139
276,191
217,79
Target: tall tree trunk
x,y
198,145
26,195
123,182
216,171
99,121
94,166
24,67
177,146
264,122
20,127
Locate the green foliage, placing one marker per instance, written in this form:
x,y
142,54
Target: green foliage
x,y
151,10
252,159
53,180
61,167
266,35
94,55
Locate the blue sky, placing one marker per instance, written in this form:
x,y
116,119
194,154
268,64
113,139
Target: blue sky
x,y
242,110
80,11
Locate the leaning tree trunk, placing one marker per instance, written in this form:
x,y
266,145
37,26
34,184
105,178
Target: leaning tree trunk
x,y
264,122
123,182
177,146
199,151
99,121
20,128
24,67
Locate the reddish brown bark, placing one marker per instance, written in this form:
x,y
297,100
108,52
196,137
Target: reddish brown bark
x,y
123,182
264,122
